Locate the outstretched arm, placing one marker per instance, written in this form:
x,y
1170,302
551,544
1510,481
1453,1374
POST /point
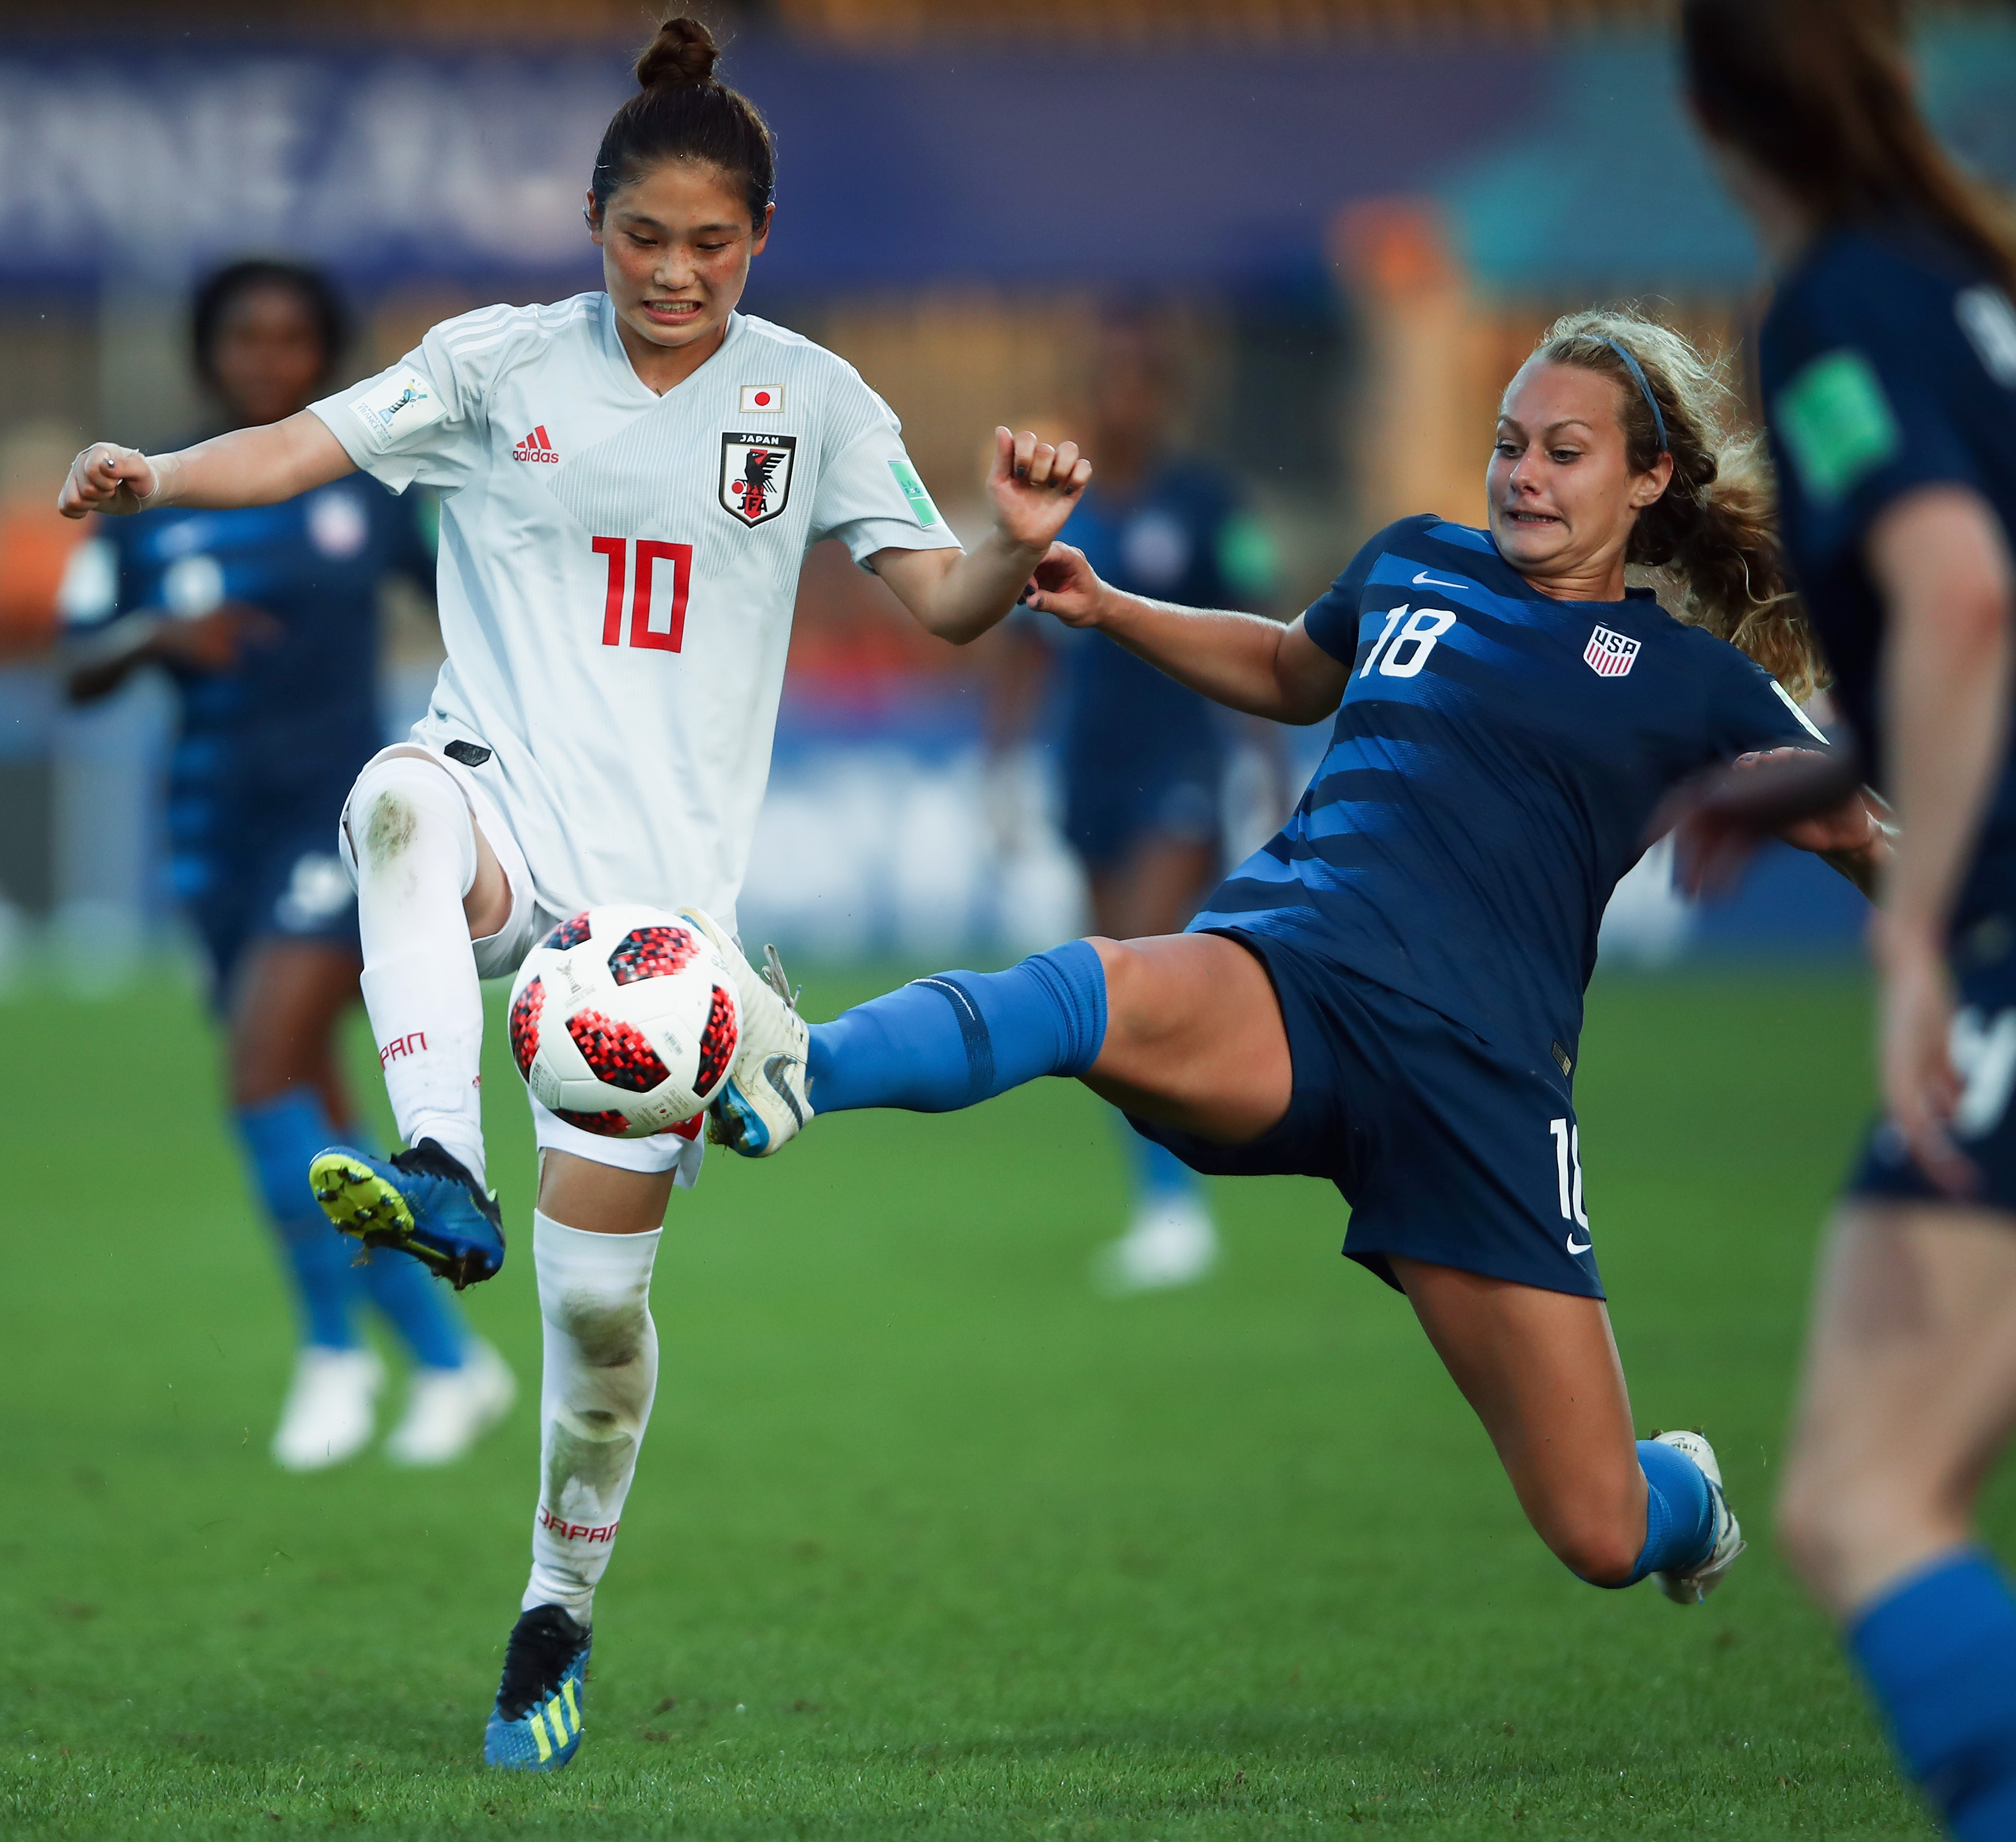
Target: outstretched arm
x,y
958,594
1245,661
256,466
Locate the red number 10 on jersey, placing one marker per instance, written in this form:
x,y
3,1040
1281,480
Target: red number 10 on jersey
x,y
657,608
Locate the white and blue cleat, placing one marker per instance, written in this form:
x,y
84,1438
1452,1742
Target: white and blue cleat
x,y
536,1725
422,1201
1690,1588
763,1104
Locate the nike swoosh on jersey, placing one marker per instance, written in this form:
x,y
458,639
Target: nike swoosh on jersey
x,y
1575,1246
1425,580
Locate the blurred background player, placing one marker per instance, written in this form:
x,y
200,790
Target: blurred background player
x,y
266,621
1887,364
1143,758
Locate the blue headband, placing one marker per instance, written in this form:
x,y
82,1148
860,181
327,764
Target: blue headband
x,y
1652,402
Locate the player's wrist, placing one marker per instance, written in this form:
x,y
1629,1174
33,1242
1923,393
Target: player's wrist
x,y
1900,938
167,470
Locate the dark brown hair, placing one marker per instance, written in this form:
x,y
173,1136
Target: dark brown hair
x,y
1818,93
1710,540
218,293
682,111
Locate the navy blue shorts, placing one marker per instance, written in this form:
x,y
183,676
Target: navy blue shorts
x,y
288,882
1449,1149
1984,1055
1107,815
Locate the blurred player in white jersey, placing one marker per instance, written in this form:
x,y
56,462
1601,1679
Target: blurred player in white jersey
x,y
629,481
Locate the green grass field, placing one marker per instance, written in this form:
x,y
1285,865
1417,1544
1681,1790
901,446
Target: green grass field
x,y
927,1540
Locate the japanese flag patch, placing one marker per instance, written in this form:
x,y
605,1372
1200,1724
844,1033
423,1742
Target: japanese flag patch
x,y
762,399
392,406
1609,654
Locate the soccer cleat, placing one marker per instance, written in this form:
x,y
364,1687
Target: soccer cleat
x,y
329,1415
423,1202
1690,1588
762,1105
536,1724
1171,1243
448,1410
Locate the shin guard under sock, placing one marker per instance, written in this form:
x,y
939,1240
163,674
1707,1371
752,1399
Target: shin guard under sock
x,y
601,1373
415,849
962,1037
1938,1652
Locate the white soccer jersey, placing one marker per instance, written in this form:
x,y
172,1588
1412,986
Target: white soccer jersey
x,y
617,570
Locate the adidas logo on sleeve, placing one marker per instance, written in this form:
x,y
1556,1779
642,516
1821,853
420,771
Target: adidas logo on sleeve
x,y
535,447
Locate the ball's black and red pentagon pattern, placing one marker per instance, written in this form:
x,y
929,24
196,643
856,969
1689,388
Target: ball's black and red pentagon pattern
x,y
616,1052
652,953
604,1125
717,1042
525,1009
570,933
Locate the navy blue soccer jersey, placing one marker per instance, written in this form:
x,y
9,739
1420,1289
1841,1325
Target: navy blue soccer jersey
x,y
267,750
1185,538
1492,770
300,709
1888,363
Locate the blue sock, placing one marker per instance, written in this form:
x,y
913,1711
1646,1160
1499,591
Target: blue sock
x,y
1680,1513
280,1136
1159,1175
417,1305
1939,1654
962,1037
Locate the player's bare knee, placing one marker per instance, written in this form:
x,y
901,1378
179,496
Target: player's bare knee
x,y
1604,1554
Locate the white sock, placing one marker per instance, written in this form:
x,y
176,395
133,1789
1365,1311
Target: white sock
x,y
601,1374
416,846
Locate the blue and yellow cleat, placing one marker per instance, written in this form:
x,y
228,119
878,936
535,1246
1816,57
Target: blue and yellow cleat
x,y
423,1202
536,1724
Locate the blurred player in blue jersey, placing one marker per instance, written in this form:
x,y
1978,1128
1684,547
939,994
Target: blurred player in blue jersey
x,y
266,619
1143,758
1389,995
1888,375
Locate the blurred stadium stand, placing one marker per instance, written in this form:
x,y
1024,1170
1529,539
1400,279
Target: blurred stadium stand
x,y
1353,243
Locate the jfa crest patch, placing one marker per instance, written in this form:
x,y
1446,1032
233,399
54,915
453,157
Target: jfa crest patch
x,y
1611,655
756,475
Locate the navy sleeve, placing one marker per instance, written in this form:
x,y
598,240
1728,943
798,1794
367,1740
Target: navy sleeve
x,y
1748,709
1331,620
1868,417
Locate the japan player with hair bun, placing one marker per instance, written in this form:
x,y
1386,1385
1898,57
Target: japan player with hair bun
x,y
629,480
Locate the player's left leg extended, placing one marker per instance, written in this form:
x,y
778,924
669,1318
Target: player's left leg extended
x,y
1909,1395
1540,1369
1184,1030
600,1375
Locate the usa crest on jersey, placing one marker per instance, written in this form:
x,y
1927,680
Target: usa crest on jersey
x,y
756,475
1610,654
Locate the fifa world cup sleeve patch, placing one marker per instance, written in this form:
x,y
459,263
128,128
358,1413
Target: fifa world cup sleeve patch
x,y
1838,425
393,406
921,508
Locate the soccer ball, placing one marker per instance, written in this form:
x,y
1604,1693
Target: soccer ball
x,y
624,1021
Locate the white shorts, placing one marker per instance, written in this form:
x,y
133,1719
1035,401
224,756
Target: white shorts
x,y
498,955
